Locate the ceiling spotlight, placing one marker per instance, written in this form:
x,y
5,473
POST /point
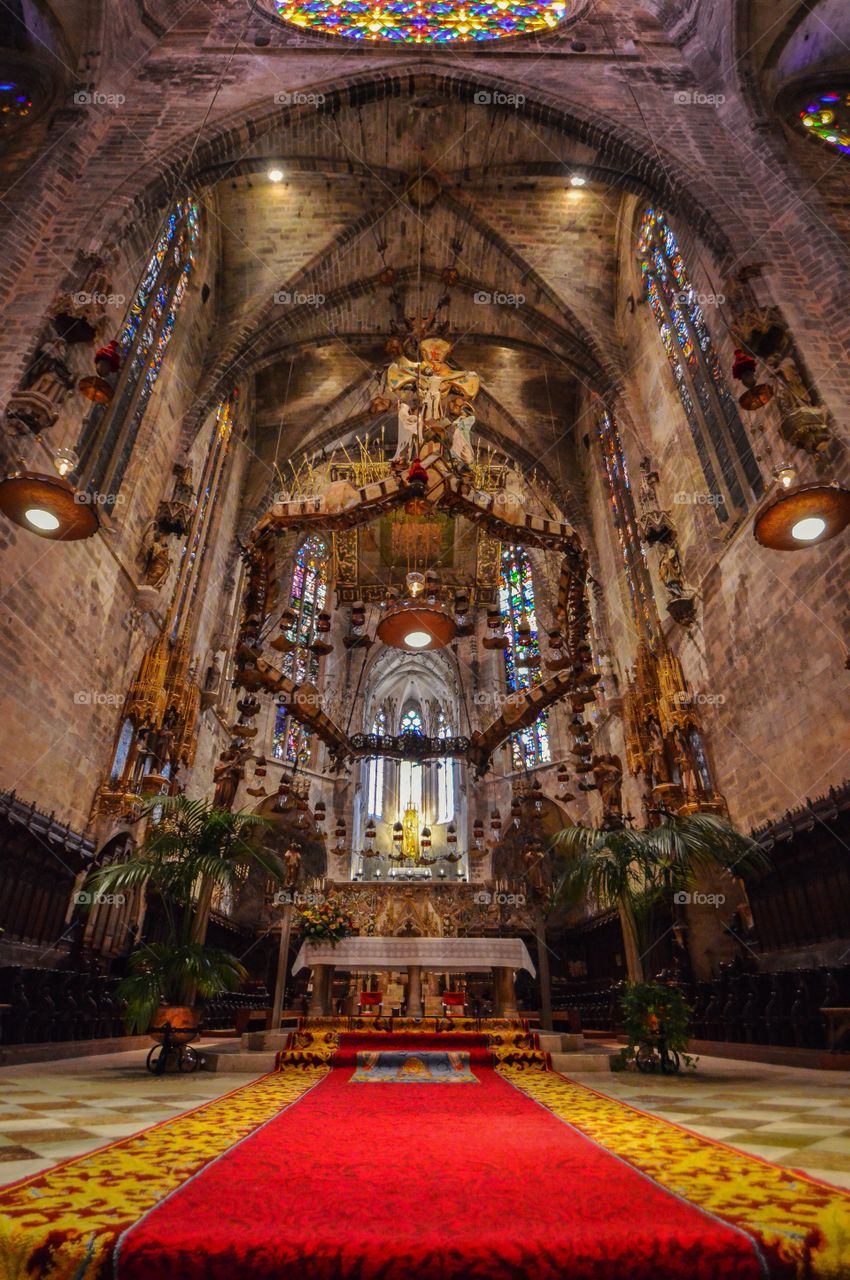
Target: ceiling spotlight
x,y
577,180
417,639
275,175
803,516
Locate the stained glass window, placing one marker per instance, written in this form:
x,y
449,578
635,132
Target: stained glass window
x,y
825,114
375,773
122,751
411,721
423,21
110,431
624,516
445,776
410,771
307,598
15,103
724,453
529,746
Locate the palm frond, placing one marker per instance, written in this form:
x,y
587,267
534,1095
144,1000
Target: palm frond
x,y
701,842
636,868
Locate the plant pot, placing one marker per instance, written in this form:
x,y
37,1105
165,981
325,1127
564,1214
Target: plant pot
x,y
184,1022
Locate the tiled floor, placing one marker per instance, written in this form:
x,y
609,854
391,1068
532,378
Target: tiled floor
x,y
788,1115
794,1117
50,1111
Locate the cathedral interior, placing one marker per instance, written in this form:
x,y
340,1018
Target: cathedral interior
x,y
424,490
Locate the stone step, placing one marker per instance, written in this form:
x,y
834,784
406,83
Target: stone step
x,y
570,1064
558,1042
253,1063
550,1041
252,1041
257,1062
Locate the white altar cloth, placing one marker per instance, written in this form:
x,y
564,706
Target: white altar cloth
x,y
443,955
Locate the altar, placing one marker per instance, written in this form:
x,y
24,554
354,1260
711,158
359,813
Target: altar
x,y
441,955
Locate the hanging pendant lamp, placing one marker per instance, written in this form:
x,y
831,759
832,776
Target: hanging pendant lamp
x,y
49,506
802,515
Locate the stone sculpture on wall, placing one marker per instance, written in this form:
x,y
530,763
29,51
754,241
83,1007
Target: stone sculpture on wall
x,y
608,776
36,405
657,529
763,334
81,314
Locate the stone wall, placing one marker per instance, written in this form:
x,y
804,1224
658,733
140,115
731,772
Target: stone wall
x,y
649,111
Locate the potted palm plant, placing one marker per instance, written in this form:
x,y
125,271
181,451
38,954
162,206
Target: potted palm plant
x,y
190,843
639,871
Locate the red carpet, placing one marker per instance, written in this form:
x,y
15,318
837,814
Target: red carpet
x,y
425,1182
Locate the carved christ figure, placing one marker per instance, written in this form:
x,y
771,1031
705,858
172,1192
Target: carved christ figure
x,y
431,387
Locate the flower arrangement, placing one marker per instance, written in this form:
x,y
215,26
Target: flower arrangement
x,y
327,923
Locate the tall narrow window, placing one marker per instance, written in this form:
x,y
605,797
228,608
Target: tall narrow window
x,y
624,515
727,460
121,757
529,746
307,599
375,773
445,776
110,431
206,501
410,771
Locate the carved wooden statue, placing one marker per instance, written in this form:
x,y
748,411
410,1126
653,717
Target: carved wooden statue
x,y
608,776
154,556
292,862
228,773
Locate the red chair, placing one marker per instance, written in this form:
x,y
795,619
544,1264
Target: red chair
x,y
371,1000
454,1002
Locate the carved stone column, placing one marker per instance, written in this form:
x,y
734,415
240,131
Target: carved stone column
x,y
320,1001
505,992
414,991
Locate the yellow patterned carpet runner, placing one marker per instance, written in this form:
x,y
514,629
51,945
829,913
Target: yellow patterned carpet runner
x,y
63,1224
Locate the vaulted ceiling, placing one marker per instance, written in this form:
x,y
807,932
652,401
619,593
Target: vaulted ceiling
x,y
411,185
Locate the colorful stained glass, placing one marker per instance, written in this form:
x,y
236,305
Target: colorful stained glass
x,y
826,115
15,103
712,415
144,337
529,746
423,21
411,721
636,569
307,598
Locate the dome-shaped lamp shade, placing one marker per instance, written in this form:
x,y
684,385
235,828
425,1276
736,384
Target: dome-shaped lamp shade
x,y
417,628
803,517
48,506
